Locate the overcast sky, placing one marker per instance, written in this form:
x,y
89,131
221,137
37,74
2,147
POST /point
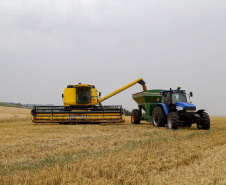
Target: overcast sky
x,y
46,45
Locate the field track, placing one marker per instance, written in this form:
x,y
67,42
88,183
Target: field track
x,y
109,153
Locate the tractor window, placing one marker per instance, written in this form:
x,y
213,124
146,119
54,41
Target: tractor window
x,y
166,97
83,95
179,96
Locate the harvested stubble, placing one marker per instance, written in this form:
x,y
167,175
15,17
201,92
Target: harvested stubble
x,y
109,153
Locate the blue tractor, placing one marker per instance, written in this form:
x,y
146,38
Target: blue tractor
x,y
175,110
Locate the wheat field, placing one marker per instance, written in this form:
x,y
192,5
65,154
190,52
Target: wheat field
x,y
109,153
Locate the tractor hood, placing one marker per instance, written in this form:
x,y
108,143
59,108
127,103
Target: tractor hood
x,y
184,104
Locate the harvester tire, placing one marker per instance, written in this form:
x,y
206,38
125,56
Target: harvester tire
x,y
172,120
205,123
135,117
158,117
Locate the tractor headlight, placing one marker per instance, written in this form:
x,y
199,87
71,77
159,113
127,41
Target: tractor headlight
x,y
190,110
179,108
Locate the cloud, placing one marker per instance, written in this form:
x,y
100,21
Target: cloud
x,y
46,45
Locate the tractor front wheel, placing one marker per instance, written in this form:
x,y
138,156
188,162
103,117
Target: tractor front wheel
x,y
158,117
205,123
172,120
135,118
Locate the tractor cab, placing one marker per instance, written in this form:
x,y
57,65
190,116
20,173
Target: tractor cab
x,y
176,100
174,96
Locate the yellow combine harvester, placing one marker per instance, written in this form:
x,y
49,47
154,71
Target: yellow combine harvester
x,y
82,104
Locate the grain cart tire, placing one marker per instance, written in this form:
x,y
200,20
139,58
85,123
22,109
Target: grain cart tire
x,y
189,125
135,117
205,123
172,120
158,117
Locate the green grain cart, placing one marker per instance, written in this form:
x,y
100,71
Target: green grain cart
x,y
147,101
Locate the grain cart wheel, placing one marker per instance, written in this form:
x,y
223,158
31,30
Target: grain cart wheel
x,y
135,118
189,125
172,120
158,117
205,123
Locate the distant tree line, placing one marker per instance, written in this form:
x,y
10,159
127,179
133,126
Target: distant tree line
x,y
20,105
127,112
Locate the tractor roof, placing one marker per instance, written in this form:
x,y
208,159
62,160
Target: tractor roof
x,y
173,91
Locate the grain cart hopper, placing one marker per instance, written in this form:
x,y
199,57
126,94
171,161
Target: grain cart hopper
x,y
82,104
169,107
147,101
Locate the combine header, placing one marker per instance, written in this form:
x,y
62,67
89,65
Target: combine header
x,y
82,104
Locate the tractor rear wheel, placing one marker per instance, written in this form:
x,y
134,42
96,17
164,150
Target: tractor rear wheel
x,y
205,123
158,117
135,118
172,120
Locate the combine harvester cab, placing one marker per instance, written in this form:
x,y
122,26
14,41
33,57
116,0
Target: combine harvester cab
x,y
169,107
82,105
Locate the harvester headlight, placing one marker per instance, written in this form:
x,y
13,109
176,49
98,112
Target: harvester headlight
x,y
179,108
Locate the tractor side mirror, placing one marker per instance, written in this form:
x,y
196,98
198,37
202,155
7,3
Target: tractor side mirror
x,y
191,94
62,95
99,94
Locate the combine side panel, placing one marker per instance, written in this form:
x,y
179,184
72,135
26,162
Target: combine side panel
x,y
77,114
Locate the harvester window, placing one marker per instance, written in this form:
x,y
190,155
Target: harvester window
x,y
83,95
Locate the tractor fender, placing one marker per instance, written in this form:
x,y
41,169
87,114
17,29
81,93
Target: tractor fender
x,y
200,111
164,107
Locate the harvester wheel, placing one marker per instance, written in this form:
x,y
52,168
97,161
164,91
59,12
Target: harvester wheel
x,y
158,117
135,118
205,123
173,120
